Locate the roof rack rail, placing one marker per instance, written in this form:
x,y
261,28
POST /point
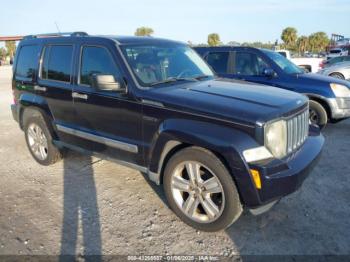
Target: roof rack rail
x,y
69,34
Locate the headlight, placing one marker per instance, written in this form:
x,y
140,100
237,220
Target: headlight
x,y
276,138
340,90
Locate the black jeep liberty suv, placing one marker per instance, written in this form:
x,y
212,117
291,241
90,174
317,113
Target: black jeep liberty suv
x,y
217,146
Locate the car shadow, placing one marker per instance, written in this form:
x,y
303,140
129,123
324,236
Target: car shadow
x,y
80,208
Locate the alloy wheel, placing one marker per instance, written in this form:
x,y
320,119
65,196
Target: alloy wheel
x,y
37,141
197,191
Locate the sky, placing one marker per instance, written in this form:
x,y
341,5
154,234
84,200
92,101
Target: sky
x,y
183,20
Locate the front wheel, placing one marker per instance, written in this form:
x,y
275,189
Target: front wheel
x,y
317,113
200,190
337,75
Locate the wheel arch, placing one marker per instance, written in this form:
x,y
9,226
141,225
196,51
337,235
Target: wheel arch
x,y
224,142
42,108
323,102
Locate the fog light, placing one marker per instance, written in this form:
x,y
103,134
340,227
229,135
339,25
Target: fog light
x,y
256,178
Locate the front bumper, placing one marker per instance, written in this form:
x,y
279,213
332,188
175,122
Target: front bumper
x,y
340,107
283,177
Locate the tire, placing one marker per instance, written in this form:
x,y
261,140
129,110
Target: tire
x,y
318,114
337,75
33,121
228,207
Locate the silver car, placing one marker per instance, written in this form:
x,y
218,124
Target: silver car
x,y
338,70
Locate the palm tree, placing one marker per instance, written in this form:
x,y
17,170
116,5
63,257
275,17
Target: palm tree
x,y
303,44
214,39
318,41
144,31
289,37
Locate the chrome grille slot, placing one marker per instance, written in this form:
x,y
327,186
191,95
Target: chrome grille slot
x,y
297,130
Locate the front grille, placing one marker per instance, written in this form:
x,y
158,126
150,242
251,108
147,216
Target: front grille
x,y
297,130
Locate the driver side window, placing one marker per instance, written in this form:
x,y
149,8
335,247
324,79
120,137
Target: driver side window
x,y
96,60
249,64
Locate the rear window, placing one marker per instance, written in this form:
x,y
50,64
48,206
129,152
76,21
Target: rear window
x,y
27,61
57,63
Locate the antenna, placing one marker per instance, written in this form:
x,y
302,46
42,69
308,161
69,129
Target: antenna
x,y
58,29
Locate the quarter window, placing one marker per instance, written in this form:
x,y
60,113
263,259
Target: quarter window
x,y
249,64
57,63
27,61
96,60
218,61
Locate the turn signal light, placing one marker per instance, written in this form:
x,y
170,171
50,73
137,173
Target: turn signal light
x,y
256,178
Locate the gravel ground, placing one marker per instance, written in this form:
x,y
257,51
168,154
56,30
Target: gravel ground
x,y
84,205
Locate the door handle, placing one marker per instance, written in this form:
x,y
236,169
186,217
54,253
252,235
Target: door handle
x,y
39,88
78,95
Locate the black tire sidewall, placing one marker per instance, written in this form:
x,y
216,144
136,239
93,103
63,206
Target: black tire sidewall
x,y
232,209
53,153
337,75
321,112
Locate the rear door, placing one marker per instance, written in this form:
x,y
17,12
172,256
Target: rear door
x,y
55,82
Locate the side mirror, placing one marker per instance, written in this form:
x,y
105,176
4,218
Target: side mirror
x,y
268,72
106,83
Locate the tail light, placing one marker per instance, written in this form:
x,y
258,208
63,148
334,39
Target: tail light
x,y
322,63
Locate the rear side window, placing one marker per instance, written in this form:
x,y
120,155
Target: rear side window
x,y
218,61
96,60
27,61
57,63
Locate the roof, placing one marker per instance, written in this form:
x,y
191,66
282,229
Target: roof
x,y
58,37
140,39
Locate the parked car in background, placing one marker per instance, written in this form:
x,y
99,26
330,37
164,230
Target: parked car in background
x,y
329,97
311,64
217,146
339,51
335,60
338,70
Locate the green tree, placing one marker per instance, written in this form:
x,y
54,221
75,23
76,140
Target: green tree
x,y
289,36
318,41
3,53
11,48
268,45
214,39
144,31
303,44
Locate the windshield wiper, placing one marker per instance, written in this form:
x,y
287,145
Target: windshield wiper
x,y
200,77
173,79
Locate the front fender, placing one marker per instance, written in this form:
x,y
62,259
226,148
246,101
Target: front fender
x,y
226,142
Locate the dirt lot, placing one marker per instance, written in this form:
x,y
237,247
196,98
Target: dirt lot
x,y
89,206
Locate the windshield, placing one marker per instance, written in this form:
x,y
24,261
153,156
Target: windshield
x,y
156,64
283,63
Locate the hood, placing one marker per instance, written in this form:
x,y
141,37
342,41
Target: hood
x,y
232,100
318,78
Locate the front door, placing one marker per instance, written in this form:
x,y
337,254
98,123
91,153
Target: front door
x,y
249,66
108,122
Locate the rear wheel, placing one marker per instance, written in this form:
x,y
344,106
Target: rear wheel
x,y
39,139
337,75
200,190
317,113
